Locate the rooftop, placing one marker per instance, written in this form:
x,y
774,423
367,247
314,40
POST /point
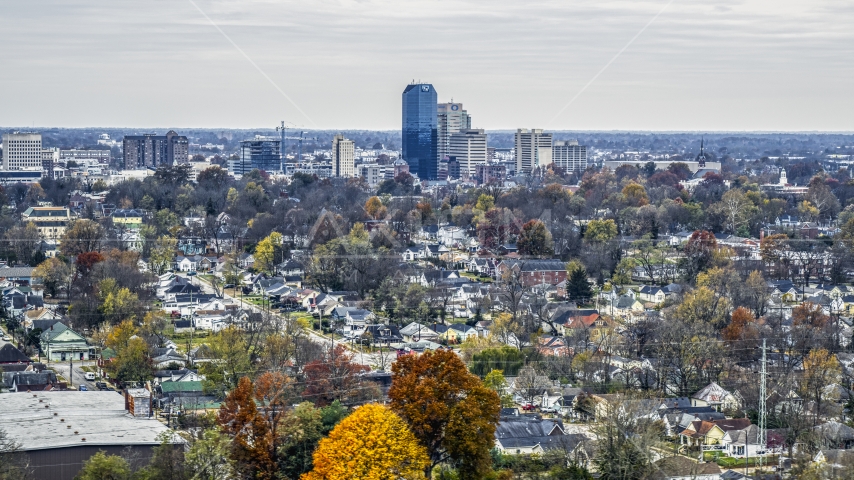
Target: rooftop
x,y
99,417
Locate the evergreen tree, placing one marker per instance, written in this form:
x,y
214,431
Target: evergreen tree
x,y
578,287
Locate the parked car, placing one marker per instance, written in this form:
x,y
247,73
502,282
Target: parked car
x,y
552,409
101,385
83,388
191,274
528,407
7,338
228,285
90,375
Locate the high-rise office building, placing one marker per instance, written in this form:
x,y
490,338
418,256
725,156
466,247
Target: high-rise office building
x,y
262,153
451,118
343,157
150,150
533,150
420,130
22,151
570,156
469,148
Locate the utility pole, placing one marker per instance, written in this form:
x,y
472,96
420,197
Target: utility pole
x,y
71,370
763,440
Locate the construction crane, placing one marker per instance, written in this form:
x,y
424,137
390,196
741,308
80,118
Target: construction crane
x,y
285,138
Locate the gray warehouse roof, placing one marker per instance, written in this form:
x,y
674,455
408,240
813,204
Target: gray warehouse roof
x,y
99,417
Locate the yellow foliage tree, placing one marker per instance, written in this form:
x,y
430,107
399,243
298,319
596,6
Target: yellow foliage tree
x,y
371,444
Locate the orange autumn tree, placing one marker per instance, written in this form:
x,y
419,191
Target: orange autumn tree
x,y
448,409
371,444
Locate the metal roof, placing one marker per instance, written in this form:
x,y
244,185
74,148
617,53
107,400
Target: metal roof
x,y
99,417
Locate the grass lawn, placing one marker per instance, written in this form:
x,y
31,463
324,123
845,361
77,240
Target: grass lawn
x,y
477,277
730,462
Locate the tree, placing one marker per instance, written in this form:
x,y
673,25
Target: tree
x,y
24,240
231,352
627,442
821,369
300,432
577,285
54,274
167,462
118,304
635,195
496,382
529,383
374,208
535,240
335,377
485,203
735,208
373,444
699,252
104,467
252,444
208,457
504,359
82,236
133,363
266,252
703,306
13,463
162,254
450,411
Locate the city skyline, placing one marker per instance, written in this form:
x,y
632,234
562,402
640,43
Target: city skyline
x,y
743,65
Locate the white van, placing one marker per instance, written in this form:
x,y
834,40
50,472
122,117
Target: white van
x,y
90,376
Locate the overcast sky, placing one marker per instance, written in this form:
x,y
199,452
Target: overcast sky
x,y
701,65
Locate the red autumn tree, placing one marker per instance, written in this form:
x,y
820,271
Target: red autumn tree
x,y
335,377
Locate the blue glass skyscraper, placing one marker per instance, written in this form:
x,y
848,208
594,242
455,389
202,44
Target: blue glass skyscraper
x,y
420,132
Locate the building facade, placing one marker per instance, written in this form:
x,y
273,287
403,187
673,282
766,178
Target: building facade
x,y
570,156
468,147
451,118
51,221
343,157
490,173
420,131
22,151
150,150
262,153
372,173
102,156
533,150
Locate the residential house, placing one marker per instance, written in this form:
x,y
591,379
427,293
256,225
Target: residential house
x,y
703,433
50,221
553,346
32,381
454,333
164,357
744,443
652,294
128,218
354,320
416,332
534,272
627,308
60,344
678,467
382,334
526,435
715,396
451,235
11,355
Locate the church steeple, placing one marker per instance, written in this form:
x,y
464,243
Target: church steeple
x,y
701,158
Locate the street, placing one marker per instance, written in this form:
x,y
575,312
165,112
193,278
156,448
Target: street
x,y
77,379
